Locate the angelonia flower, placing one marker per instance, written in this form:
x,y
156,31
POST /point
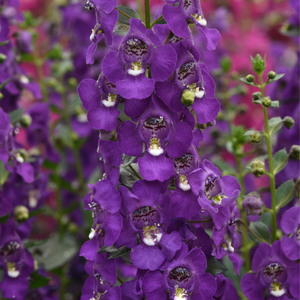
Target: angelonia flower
x,y
156,79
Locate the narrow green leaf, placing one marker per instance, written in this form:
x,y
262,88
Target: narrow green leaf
x,y
273,122
278,158
214,267
244,79
16,115
3,84
50,165
3,173
127,178
114,251
128,160
277,77
38,280
283,191
261,230
249,132
28,243
128,11
4,43
4,218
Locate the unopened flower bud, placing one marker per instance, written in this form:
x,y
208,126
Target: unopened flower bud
x,y
21,213
72,82
226,64
256,96
295,152
271,75
288,122
1,96
254,137
187,97
259,64
2,58
25,120
253,204
258,167
267,101
250,78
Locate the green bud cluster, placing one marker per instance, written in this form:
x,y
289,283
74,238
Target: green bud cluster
x,y
256,96
295,152
271,75
187,98
258,167
250,78
21,213
2,58
266,101
254,137
259,64
288,122
25,120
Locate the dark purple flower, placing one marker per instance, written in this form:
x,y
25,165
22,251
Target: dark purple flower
x,y
103,275
105,201
24,41
189,11
156,128
140,49
273,272
290,225
145,216
105,24
192,76
184,277
225,289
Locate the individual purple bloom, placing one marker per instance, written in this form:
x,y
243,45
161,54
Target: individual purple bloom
x,y
273,272
5,205
103,276
252,204
5,129
179,17
144,216
106,5
101,100
127,67
128,291
225,289
184,277
105,201
290,225
24,41
38,131
222,248
16,262
192,76
105,24
215,193
156,128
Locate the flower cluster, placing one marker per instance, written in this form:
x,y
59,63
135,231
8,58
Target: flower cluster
x,y
156,219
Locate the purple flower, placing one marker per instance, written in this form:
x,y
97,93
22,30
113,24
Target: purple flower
x,y
215,193
273,272
139,50
103,275
179,17
105,201
105,24
145,216
24,41
290,224
156,128
252,204
192,76
225,289
184,277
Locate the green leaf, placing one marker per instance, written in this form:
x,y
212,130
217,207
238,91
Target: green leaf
x,y
229,147
28,243
128,11
261,230
127,177
128,160
114,251
62,182
283,191
26,57
4,218
278,158
244,79
266,218
3,173
3,84
275,103
55,252
161,21
273,122
38,280
50,165
16,115
277,77
4,43
214,267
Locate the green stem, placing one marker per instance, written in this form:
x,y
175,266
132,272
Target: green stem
x,y
271,166
147,14
202,221
124,14
74,150
244,217
155,21
140,10
59,206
